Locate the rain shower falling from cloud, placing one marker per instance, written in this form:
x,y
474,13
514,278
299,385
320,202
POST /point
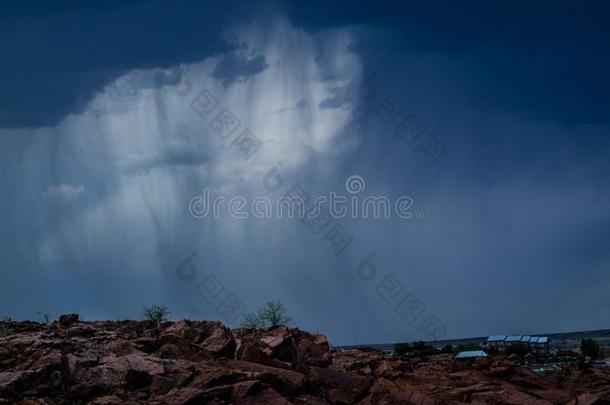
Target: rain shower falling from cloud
x,y
112,195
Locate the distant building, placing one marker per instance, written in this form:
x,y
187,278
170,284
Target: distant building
x,y
539,344
501,342
496,341
471,354
513,339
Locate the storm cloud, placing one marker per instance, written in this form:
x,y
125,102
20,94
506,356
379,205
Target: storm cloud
x,y
495,123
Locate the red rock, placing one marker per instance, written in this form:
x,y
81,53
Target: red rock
x,y
179,396
131,362
220,343
274,346
357,359
340,386
501,367
384,392
284,381
310,400
185,330
263,397
313,350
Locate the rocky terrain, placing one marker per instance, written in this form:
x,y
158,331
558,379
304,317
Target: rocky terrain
x,y
200,362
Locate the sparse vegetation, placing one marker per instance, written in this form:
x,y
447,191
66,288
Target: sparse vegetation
x,y
252,321
448,349
273,313
466,347
520,349
157,313
45,318
419,346
5,331
589,348
418,349
402,349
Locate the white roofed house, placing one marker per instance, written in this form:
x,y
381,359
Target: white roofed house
x,y
513,339
539,343
470,354
501,342
496,342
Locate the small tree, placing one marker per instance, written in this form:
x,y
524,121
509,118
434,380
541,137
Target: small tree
x,y
589,348
419,346
402,349
46,318
274,313
157,313
252,321
271,314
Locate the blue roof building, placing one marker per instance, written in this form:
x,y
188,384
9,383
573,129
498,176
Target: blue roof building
x,y
471,354
496,338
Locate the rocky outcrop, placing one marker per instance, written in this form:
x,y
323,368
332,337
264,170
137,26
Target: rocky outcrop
x,y
196,362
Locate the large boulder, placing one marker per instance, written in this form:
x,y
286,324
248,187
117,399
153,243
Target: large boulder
x,y
287,382
219,342
339,386
39,375
312,350
357,359
274,346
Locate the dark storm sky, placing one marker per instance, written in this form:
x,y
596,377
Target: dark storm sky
x,y
100,156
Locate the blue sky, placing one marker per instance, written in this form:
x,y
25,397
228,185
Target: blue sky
x,y
493,118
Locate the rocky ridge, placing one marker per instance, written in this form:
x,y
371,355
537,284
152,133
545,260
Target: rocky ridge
x,y
204,362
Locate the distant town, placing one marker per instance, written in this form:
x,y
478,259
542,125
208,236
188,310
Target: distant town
x,y
541,353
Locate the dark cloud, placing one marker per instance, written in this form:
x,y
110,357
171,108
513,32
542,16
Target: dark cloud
x,y
55,57
237,67
546,60
174,153
515,232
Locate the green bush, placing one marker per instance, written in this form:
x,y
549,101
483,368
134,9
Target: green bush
x,y
589,348
520,349
5,332
401,349
419,346
448,349
157,313
466,347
